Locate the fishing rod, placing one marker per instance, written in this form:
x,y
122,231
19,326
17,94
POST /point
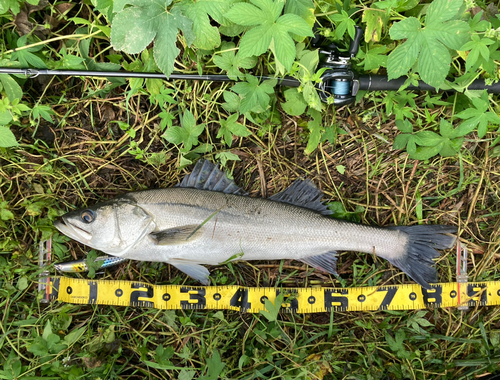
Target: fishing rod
x,y
339,80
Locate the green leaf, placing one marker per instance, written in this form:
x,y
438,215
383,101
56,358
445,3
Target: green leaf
x,y
13,5
302,8
224,157
7,138
90,63
428,44
426,152
344,22
478,47
12,89
42,111
207,36
231,63
254,94
404,126
5,117
374,58
477,116
26,56
214,367
187,134
375,20
230,127
295,104
134,28
315,128
271,30
232,103
5,214
74,335
273,308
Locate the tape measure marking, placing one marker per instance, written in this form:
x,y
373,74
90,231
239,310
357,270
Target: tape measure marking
x,y
252,300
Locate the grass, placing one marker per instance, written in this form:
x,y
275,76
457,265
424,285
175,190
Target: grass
x,y
85,157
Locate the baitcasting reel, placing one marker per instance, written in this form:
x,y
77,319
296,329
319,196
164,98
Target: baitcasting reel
x,y
339,80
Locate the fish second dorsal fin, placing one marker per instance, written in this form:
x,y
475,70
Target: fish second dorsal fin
x,y
303,193
207,176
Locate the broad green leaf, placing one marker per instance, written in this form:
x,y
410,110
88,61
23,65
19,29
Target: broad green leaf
x,y
42,111
207,36
426,152
26,56
271,30
295,104
315,126
404,126
224,157
401,140
374,58
232,101
428,44
90,63
7,138
478,47
134,28
230,127
74,335
13,5
214,367
12,89
231,63
344,22
304,9
254,93
5,117
428,138
477,116
375,20
273,308
187,134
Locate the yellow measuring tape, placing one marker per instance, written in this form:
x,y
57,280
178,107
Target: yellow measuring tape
x,y
252,300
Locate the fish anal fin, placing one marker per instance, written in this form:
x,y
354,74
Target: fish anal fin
x,y
326,262
207,176
196,271
303,193
177,235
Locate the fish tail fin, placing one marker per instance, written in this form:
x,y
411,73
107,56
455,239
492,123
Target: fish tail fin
x,y
423,240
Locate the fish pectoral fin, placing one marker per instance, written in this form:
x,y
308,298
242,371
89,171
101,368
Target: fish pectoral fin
x,y
326,262
196,271
177,235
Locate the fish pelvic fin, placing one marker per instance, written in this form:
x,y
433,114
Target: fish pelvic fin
x,y
326,262
196,271
417,259
177,235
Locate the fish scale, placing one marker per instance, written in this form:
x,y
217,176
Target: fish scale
x,y
189,226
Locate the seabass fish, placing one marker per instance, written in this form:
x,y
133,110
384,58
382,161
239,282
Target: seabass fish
x,y
207,219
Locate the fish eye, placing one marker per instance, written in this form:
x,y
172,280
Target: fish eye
x,y
88,216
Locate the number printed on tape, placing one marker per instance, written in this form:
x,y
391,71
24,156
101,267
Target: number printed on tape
x,y
252,299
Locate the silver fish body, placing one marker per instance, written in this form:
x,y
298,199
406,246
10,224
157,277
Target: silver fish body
x,y
186,227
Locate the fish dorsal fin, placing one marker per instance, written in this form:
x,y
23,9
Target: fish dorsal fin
x,y
207,176
303,193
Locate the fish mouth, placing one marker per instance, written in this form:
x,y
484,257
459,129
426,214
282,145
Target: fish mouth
x,y
74,232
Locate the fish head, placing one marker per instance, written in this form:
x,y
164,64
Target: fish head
x,y
112,227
